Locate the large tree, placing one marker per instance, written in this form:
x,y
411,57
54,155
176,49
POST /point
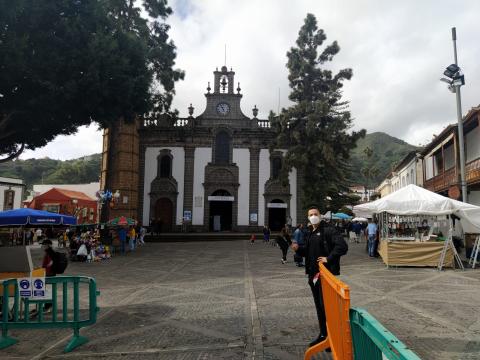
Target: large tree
x,y
316,129
67,63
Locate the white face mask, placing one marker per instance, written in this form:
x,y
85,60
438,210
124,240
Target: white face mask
x,y
314,220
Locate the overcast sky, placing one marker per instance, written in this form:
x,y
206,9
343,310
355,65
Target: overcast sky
x,y
397,50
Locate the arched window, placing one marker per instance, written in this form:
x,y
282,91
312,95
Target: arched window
x,y
165,166
276,167
412,179
222,148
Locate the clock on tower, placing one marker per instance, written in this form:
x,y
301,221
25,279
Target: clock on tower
x,y
223,108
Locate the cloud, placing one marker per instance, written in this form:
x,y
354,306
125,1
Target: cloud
x,y
87,141
397,50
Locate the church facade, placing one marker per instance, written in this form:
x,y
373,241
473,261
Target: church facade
x,y
211,172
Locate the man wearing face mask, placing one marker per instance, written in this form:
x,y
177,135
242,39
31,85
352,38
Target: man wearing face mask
x,y
323,243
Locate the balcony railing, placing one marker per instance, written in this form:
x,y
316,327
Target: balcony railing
x,y
181,122
442,181
165,122
263,124
472,171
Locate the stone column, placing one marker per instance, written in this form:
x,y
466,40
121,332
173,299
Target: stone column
x,y
188,179
141,186
253,203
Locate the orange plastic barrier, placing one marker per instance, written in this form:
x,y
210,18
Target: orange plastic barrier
x,y
40,272
336,297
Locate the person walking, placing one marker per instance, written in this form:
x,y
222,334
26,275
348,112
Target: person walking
x,y
357,229
122,236
372,237
299,239
322,244
141,235
266,234
48,265
284,241
132,238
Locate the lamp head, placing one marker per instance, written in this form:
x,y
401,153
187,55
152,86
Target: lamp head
x,y
451,71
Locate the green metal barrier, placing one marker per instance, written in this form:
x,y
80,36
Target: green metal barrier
x,y
372,341
66,318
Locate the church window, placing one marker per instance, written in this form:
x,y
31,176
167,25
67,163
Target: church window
x,y
165,166
276,167
222,148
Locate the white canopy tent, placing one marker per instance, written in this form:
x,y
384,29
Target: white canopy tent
x,y
415,200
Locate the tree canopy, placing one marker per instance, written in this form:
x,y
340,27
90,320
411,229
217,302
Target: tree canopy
x,y
316,129
67,63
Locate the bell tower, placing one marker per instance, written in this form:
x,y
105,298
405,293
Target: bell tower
x,y
223,81
120,166
223,103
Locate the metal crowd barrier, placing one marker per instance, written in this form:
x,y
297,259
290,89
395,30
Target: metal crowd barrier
x,y
336,297
62,316
372,341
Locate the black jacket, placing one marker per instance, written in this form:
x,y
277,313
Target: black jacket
x,y
325,241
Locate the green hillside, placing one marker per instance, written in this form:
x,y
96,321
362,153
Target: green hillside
x,y
386,152
49,171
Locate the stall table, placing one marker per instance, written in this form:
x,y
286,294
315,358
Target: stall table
x,y
395,252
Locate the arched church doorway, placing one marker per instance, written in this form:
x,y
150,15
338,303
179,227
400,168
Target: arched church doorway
x,y
277,214
164,214
220,218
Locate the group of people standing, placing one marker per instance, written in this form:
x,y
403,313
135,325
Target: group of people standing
x,y
133,234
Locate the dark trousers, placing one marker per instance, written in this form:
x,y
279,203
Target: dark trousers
x,y
284,252
319,306
297,258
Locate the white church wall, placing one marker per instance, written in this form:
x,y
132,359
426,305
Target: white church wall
x,y
292,178
202,157
151,169
241,157
263,176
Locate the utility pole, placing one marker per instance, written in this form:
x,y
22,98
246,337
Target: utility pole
x,y
461,144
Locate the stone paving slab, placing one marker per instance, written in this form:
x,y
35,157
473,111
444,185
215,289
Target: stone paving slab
x,y
233,300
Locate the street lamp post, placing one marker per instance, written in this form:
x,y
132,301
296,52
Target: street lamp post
x,y
455,80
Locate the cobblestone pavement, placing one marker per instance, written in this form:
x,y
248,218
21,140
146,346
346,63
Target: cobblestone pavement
x,y
233,300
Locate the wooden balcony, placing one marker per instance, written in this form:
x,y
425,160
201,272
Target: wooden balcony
x,y
472,171
443,181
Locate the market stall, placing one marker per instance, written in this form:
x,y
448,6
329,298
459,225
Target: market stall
x,y
416,226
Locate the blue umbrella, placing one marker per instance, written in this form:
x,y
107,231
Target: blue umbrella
x,y
341,216
26,216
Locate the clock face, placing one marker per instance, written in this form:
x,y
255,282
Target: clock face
x,y
223,108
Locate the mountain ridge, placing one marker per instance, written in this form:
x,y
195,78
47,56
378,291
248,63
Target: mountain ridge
x,y
387,151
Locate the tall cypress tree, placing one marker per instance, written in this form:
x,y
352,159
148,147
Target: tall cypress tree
x,y
316,129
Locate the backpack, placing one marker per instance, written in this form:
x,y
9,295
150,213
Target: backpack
x,y
60,262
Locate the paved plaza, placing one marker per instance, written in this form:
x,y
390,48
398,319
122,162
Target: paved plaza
x,y
233,300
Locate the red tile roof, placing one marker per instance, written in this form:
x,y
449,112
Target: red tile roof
x,y
74,194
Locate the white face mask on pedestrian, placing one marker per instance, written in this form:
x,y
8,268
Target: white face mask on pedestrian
x,y
314,220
